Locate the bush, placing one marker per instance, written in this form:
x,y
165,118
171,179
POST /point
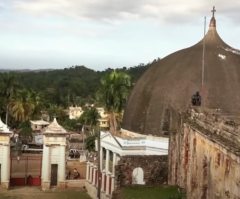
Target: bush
x,y
90,143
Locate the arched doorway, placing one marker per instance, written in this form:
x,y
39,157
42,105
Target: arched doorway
x,y
138,176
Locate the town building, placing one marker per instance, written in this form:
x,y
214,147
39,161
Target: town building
x,y
38,125
102,112
75,112
103,123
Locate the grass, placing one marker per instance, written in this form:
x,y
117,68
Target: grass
x,y
66,194
169,192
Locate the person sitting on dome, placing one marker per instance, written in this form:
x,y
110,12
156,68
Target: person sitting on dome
x,y
196,99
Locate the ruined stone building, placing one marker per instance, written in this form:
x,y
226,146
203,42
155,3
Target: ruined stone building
x,y
204,154
204,146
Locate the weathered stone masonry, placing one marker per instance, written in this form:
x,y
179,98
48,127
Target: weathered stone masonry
x,y
204,154
155,169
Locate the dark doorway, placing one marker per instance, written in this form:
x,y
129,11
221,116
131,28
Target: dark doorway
x,y
54,171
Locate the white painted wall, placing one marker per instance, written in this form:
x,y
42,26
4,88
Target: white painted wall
x,y
5,158
2,162
54,154
149,145
58,157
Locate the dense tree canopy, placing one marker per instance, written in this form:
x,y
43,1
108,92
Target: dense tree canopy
x,y
113,93
26,95
74,85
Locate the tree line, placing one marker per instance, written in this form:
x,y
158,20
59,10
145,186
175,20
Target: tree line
x,y
74,85
26,95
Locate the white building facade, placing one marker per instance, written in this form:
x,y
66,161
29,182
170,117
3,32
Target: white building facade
x,y
75,112
112,148
54,159
39,125
5,134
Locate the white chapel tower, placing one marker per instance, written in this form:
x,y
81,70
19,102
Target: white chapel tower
x,y
53,164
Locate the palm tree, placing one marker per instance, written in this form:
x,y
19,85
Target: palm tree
x,y
56,111
52,110
118,117
9,86
38,100
90,117
21,106
113,93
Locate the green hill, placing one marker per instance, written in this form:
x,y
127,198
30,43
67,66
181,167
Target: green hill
x,y
74,85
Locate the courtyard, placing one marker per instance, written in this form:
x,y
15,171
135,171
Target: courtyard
x,y
37,193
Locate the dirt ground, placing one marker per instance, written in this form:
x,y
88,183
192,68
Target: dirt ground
x,y
81,167
37,193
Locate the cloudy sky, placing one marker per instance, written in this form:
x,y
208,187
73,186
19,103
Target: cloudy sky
x,y
99,34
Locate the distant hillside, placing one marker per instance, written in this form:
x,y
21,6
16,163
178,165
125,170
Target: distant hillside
x,y
70,85
23,70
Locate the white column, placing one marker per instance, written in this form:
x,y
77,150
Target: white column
x,y
91,169
46,164
113,184
107,161
87,172
101,158
113,163
97,178
108,180
62,165
103,180
94,174
6,164
118,158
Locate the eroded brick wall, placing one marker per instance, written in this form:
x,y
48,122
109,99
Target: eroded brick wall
x,y
155,170
203,161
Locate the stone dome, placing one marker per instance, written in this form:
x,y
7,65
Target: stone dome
x,y
174,79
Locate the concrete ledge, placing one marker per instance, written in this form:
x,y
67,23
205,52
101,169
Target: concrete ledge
x,y
5,185
75,183
45,186
62,185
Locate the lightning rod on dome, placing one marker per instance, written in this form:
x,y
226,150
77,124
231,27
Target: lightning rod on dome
x,y
203,56
212,24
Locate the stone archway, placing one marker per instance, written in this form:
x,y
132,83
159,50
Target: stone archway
x,y
138,176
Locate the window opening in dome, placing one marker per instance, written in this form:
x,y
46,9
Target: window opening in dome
x,y
196,99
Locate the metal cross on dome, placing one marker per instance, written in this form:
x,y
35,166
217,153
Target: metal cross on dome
x,y
213,10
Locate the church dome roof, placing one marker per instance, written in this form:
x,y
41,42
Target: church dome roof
x,y
174,79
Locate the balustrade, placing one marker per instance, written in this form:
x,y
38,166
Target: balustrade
x,y
107,177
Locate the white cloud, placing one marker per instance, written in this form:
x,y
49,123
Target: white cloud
x,y
114,11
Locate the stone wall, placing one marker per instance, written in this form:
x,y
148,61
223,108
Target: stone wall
x,y
204,154
75,183
154,168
